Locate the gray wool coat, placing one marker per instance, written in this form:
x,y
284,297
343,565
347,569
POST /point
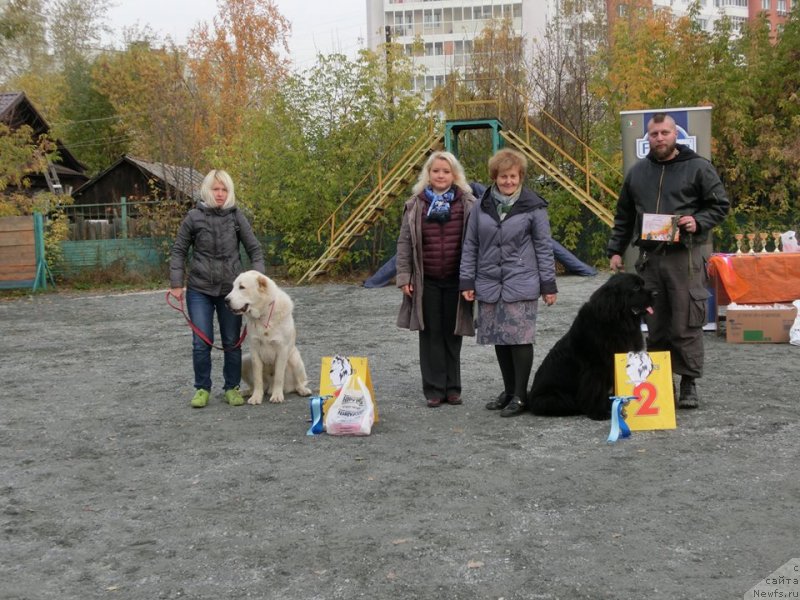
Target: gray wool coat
x,y
409,268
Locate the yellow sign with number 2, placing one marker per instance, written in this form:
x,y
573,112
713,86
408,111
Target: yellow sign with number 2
x,y
648,376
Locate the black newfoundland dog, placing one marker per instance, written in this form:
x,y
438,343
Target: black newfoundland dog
x,y
577,374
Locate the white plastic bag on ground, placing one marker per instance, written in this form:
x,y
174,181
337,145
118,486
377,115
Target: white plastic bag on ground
x,y
794,332
351,413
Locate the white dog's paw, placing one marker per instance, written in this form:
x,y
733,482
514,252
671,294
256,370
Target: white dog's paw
x,y
253,400
277,397
303,390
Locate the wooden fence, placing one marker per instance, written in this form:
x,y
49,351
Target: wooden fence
x,y
22,262
109,221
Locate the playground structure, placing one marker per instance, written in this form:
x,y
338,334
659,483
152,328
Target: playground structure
x,y
22,257
583,175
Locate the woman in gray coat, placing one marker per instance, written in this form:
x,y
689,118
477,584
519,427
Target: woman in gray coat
x,y
213,230
506,264
428,256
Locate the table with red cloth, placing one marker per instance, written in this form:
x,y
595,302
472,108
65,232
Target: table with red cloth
x,y
760,278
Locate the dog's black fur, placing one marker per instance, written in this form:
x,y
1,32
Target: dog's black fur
x,y
576,376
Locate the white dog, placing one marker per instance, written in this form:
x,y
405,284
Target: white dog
x,y
274,360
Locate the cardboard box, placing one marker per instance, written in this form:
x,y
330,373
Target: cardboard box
x,y
754,324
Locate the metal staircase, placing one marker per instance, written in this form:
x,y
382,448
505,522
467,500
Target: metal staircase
x,y
581,171
571,163
391,185
551,170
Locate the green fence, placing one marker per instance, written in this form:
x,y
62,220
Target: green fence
x,y
142,255
137,254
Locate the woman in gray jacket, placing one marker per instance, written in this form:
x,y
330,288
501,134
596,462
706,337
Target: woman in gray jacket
x,y
506,264
213,230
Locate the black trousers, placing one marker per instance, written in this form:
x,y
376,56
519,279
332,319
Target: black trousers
x,y
439,347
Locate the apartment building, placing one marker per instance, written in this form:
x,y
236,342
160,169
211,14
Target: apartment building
x,y
739,11
439,34
446,29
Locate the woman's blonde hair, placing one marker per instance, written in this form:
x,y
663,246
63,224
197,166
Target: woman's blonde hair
x,y
507,159
207,195
459,179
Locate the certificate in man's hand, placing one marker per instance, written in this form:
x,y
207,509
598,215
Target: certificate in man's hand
x,y
660,228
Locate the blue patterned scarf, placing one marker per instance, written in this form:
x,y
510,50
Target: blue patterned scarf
x,y
440,205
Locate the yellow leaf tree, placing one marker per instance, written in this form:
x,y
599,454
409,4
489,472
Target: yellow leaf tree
x,y
236,62
158,115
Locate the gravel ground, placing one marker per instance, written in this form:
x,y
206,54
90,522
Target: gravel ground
x,y
113,487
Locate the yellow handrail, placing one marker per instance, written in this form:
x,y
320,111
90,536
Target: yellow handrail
x,y
587,149
370,173
428,116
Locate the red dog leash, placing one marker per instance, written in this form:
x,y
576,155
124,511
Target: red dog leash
x,y
197,330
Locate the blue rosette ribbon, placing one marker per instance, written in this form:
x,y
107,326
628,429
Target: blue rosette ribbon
x,y
619,428
315,404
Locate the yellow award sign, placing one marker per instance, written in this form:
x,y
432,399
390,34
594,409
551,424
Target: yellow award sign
x,y
334,372
648,376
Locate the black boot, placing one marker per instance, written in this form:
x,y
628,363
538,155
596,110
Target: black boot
x,y
688,397
500,402
515,407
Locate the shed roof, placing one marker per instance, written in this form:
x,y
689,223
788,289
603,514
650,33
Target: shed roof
x,y
11,102
16,109
185,180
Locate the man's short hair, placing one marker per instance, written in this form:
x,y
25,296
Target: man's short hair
x,y
660,117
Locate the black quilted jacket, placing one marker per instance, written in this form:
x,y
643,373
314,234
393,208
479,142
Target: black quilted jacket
x,y
213,234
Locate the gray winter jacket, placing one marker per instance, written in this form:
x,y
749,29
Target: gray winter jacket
x,y
686,185
214,235
510,259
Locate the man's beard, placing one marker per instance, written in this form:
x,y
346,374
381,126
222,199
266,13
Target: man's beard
x,y
664,153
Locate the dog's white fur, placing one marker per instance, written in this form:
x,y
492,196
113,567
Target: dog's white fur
x,y
274,361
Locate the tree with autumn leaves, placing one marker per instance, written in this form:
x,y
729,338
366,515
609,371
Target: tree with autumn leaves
x,y
327,132
236,63
752,84
297,143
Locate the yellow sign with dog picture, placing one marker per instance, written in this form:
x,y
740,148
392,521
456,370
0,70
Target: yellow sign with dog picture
x,y
648,376
334,372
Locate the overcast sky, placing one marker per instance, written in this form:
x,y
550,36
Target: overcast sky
x,y
317,25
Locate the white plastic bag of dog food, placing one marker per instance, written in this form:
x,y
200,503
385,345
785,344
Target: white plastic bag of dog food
x,y
351,413
794,331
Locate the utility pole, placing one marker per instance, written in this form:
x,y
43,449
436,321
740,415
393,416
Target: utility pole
x,y
389,77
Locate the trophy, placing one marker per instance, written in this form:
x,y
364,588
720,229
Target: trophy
x,y
751,242
776,235
763,235
739,237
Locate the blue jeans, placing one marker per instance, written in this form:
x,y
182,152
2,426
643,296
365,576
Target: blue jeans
x,y
201,309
